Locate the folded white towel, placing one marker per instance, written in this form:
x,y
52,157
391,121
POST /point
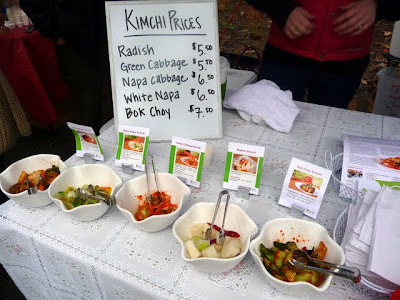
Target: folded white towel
x,y
264,103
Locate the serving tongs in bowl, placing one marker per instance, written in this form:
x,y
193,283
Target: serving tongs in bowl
x,y
32,190
301,260
91,193
221,234
148,194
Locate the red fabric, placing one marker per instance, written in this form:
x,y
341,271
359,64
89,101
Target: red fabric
x,y
323,43
28,61
396,295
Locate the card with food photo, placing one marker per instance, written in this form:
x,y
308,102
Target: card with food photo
x,y
132,146
186,160
243,167
304,186
86,141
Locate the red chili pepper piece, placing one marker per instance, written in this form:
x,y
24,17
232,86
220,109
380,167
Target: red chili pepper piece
x,y
213,241
230,233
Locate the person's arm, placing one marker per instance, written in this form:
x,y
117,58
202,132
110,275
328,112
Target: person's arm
x,y
294,20
42,14
279,11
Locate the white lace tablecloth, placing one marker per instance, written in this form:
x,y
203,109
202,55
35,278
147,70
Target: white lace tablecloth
x,y
52,256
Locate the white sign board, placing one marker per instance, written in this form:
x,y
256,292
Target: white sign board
x,y
164,59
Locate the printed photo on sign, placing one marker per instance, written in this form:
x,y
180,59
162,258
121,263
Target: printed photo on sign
x,y
87,137
187,158
305,183
135,143
244,163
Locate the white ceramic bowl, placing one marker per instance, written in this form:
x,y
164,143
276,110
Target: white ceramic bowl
x,y
236,220
128,203
29,164
309,235
95,174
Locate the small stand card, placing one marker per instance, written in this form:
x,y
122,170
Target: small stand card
x,y
132,146
304,187
243,167
186,160
86,141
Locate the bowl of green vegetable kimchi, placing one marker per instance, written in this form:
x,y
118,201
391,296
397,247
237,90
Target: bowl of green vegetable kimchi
x,y
274,248
84,192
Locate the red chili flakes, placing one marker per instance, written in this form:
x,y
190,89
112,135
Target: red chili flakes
x,y
281,230
293,238
297,240
278,240
298,235
304,248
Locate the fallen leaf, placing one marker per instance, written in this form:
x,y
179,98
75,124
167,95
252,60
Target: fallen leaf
x,y
387,33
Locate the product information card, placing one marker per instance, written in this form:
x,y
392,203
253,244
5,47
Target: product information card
x,y
132,146
243,167
304,187
186,160
369,163
86,141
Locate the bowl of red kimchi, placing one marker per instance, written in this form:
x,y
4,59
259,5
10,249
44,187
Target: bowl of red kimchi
x,y
27,180
149,208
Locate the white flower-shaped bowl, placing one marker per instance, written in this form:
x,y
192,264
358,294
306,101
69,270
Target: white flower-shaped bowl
x,y
128,203
29,164
306,234
236,220
95,174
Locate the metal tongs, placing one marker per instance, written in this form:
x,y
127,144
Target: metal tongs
x,y
34,189
95,195
221,235
301,259
147,161
31,190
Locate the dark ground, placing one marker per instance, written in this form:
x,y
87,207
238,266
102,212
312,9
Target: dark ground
x,y
247,29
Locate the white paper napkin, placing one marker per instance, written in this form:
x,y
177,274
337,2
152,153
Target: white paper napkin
x,y
366,204
264,103
384,258
373,259
369,224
